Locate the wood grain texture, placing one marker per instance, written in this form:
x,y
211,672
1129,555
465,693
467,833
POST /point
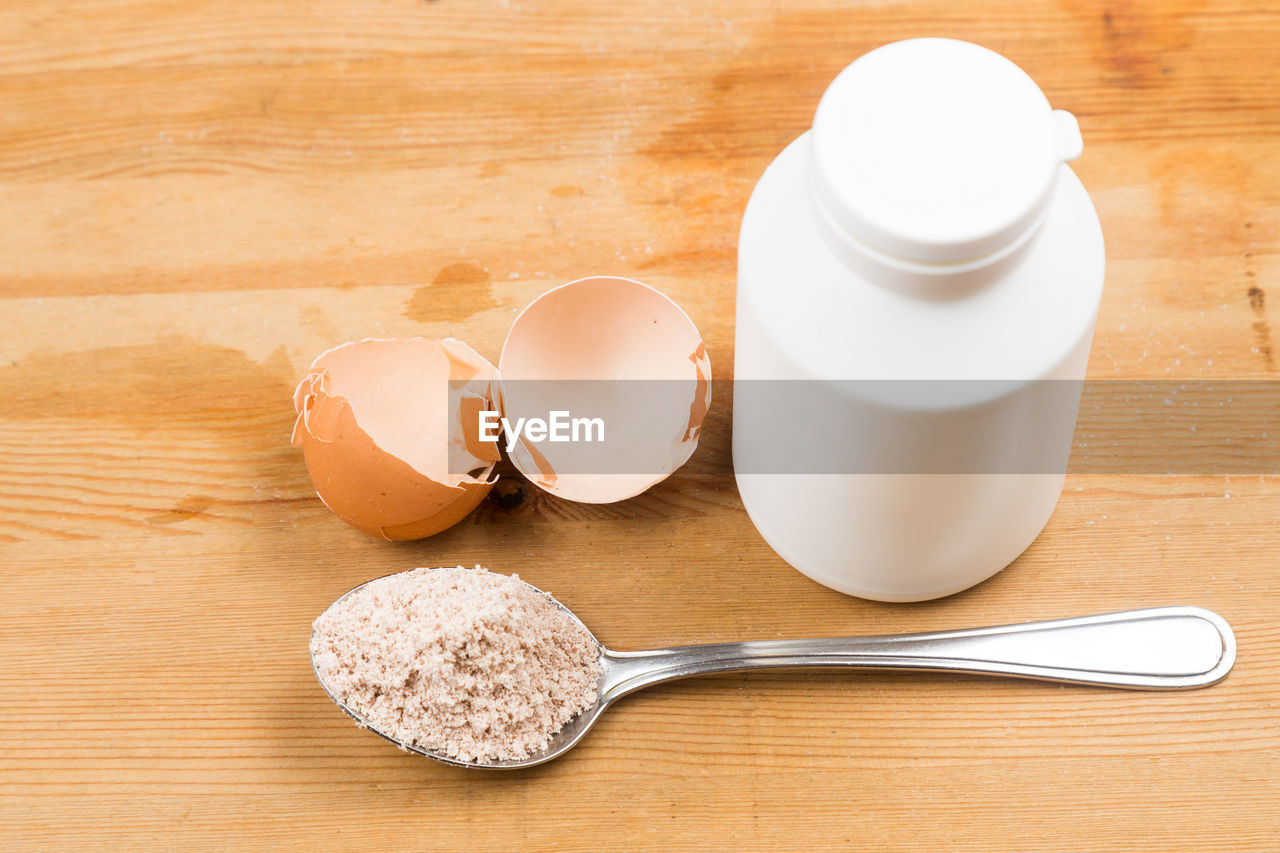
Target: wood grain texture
x,y
198,198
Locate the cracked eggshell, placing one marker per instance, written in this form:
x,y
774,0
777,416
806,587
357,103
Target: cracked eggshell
x,y
611,348
379,427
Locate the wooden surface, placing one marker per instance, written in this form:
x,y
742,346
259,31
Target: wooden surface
x,y
198,198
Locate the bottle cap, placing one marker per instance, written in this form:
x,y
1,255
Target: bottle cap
x,y
937,151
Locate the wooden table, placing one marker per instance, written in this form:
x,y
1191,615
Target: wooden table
x,y
198,198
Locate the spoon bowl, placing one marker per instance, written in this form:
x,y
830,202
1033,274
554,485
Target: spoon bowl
x,y
561,742
1161,648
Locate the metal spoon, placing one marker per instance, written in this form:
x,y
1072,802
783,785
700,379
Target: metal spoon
x,y
1161,648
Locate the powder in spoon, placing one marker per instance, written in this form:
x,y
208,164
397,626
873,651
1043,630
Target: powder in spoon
x,y
473,664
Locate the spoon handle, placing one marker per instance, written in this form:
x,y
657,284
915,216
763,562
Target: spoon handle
x,y
1163,648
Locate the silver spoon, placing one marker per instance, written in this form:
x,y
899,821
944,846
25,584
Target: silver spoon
x,y
1160,648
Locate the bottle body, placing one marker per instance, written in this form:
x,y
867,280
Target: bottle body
x,y
877,522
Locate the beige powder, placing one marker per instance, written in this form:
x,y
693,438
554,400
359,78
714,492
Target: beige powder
x,y
473,664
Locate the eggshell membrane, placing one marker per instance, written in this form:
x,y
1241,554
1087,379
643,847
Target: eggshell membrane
x,y
608,328
376,428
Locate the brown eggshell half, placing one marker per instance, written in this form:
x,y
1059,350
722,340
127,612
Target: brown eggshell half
x,y
385,436
612,348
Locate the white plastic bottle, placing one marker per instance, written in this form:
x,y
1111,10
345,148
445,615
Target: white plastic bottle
x,y
923,265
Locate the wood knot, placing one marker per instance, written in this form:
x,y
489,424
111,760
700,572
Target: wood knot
x,y
509,493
